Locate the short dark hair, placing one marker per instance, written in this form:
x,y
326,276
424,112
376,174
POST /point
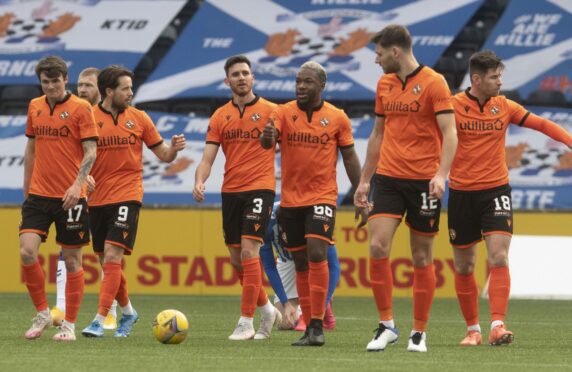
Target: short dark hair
x,y
109,77
234,60
393,35
52,67
481,62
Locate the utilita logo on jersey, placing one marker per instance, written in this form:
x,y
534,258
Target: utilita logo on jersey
x,y
398,106
242,135
48,132
120,141
480,127
304,139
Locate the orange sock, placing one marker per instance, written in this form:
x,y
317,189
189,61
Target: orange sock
x,y
468,296
109,286
251,286
318,280
499,291
381,280
262,296
74,294
122,296
303,288
424,282
35,282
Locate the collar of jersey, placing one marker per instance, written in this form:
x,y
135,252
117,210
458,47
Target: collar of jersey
x,y
66,97
473,98
410,75
256,98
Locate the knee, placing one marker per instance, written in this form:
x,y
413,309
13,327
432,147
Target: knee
x,y
236,263
498,259
380,248
73,262
464,268
28,254
421,258
247,254
317,255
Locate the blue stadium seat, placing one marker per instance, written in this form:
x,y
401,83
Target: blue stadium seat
x,y
14,108
553,98
20,92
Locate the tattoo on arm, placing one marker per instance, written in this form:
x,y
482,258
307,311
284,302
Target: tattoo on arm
x,y
89,153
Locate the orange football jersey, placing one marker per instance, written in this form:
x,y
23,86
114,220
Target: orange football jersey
x,y
58,135
118,170
411,147
480,161
309,152
248,166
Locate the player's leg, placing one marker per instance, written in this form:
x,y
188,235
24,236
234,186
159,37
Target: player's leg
x,y
334,269
58,311
74,291
33,231
111,318
35,283
499,287
384,218
497,228
464,224
422,218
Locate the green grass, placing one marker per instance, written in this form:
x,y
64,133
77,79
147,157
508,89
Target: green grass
x,y
543,340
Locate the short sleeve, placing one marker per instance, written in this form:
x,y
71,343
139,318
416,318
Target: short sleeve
x,y
518,113
151,135
86,122
29,126
379,111
346,138
213,130
439,96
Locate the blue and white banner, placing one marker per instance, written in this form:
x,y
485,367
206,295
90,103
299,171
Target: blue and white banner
x,y
83,32
540,169
534,37
279,35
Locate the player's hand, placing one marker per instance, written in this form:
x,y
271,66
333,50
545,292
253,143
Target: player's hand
x,y
199,192
361,196
268,137
178,142
436,187
90,181
361,214
289,317
71,196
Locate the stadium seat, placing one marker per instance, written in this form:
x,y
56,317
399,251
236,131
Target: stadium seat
x,y
360,110
547,98
154,106
446,65
513,95
14,108
470,36
20,92
201,109
170,32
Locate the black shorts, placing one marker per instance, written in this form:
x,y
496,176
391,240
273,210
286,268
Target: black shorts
x,y
114,224
394,197
473,214
297,224
246,215
72,226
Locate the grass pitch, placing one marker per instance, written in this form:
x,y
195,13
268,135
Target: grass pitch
x,y
543,340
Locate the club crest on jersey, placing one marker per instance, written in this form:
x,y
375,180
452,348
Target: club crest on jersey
x,y
64,115
417,89
255,117
495,110
452,234
130,124
324,122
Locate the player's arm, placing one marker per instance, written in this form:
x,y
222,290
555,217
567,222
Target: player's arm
x,y
73,194
446,122
168,153
371,158
29,158
549,128
351,163
204,170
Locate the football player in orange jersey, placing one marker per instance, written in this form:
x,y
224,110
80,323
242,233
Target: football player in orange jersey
x,y
480,202
117,188
247,191
410,151
60,152
311,131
